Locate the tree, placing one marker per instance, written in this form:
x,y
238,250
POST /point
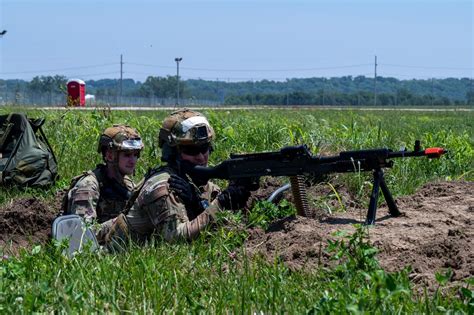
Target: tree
x,y
470,97
49,84
161,87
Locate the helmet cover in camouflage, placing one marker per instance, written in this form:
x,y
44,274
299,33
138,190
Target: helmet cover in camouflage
x,y
185,127
120,138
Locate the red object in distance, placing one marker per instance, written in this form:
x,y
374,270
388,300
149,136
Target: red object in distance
x,y
76,92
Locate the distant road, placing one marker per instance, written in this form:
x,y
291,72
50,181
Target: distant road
x,y
415,109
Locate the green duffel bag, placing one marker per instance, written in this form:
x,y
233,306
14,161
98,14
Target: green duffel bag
x,y
26,158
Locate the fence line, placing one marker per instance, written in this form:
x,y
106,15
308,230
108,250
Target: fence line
x,y
58,99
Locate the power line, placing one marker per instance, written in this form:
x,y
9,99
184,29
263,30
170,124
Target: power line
x,y
423,77
121,77
250,70
93,74
279,70
246,78
148,65
425,67
63,69
375,81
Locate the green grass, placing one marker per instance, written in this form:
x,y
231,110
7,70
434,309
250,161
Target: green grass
x,y
74,135
214,274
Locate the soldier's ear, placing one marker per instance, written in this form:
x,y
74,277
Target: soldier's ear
x,y
109,155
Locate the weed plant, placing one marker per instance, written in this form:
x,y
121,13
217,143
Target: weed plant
x,y
214,273
74,135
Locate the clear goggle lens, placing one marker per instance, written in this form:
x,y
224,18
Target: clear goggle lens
x,y
134,144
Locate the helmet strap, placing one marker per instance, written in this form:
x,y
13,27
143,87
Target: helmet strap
x,y
113,169
169,154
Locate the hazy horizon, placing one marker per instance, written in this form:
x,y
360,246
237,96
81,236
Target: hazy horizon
x,y
236,40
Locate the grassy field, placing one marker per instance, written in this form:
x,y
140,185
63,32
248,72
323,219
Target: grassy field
x,y
74,136
213,274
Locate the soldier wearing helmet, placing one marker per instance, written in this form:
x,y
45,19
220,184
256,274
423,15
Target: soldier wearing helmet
x,y
101,194
170,203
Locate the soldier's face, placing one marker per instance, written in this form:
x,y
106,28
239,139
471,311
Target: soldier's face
x,y
196,159
127,160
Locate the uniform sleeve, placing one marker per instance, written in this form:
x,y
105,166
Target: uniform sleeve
x,y
175,226
157,210
128,183
211,191
166,215
83,198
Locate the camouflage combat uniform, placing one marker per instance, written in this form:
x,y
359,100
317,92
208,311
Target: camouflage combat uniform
x,y
165,205
157,210
97,198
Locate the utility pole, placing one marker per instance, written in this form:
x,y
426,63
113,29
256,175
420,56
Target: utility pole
x,y
375,82
1,35
178,60
121,78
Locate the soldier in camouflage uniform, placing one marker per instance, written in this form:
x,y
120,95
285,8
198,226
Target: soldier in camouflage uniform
x,y
171,204
101,194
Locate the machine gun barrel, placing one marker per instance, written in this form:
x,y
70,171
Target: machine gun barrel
x,y
297,160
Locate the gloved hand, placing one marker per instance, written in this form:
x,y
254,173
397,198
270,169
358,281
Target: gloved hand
x,y
233,197
185,192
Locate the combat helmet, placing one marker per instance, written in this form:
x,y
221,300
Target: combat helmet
x,y
119,138
184,127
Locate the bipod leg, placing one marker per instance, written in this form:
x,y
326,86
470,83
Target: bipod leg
x,y
374,196
392,207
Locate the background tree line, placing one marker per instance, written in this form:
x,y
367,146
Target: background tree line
x,y
345,90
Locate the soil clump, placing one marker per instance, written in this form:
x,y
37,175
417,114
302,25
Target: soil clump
x,y
434,233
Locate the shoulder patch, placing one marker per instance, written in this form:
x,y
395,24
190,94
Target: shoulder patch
x,y
88,181
156,189
85,195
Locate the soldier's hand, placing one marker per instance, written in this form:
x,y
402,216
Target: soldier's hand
x,y
233,197
185,191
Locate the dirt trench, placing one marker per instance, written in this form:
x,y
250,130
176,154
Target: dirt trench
x,y
434,233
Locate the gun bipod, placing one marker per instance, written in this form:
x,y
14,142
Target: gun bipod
x,y
379,182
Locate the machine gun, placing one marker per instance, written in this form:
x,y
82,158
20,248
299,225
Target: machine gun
x,y
297,161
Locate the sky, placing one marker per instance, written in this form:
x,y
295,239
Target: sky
x,y
236,40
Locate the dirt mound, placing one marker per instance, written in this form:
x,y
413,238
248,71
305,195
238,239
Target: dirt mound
x,y
434,232
27,221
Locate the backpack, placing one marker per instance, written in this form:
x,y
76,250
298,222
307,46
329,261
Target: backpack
x,y
26,158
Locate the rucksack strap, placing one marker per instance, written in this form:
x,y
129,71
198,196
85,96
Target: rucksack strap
x,y
43,136
5,131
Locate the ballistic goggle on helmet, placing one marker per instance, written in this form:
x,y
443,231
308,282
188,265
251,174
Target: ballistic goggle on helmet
x,y
120,138
185,128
